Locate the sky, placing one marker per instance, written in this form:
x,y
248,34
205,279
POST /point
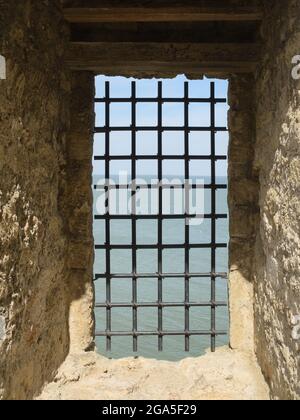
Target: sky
x,y
173,115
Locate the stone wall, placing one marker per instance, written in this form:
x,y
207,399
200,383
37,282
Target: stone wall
x,y
34,108
277,262
78,212
243,210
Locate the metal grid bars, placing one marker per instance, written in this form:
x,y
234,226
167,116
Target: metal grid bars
x,y
160,217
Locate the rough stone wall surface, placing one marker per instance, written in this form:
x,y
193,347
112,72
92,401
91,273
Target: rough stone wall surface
x,y
34,107
224,375
79,212
244,212
277,262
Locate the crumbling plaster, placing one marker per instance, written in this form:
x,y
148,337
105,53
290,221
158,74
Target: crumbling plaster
x,y
34,119
277,249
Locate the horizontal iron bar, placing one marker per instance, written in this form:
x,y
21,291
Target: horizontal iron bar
x,y
166,186
161,305
156,128
161,275
164,157
162,246
157,217
158,333
161,101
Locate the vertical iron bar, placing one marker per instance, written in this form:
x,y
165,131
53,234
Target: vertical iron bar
x,y
133,211
107,220
187,211
213,220
160,219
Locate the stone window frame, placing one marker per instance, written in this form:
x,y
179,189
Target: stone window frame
x,y
243,192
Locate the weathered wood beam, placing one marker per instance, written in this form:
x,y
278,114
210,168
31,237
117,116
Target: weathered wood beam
x,y
176,58
162,14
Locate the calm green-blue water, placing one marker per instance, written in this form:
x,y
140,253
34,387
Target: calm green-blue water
x,y
173,288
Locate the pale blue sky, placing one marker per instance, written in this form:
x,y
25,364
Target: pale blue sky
x,y
173,142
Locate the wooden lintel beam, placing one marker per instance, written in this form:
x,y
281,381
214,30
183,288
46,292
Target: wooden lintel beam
x,y
203,58
162,14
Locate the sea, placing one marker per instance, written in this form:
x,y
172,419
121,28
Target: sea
x,y
173,288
